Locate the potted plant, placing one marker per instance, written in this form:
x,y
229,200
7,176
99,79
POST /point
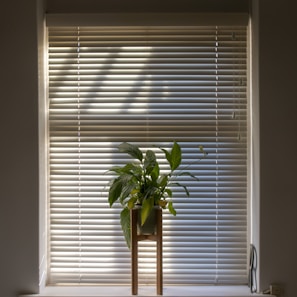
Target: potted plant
x,y
141,183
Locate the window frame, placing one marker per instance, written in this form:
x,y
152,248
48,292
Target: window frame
x,y
62,19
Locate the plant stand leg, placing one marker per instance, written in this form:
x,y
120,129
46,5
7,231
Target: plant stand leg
x,y
134,251
159,253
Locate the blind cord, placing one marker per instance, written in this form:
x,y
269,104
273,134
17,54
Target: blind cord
x,y
253,269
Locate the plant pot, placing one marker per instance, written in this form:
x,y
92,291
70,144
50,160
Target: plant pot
x,y
150,225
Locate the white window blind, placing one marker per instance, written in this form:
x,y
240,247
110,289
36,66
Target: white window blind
x,y
149,86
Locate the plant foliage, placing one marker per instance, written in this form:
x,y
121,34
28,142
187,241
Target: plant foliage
x,y
140,182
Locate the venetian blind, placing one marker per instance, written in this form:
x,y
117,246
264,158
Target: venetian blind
x,y
148,86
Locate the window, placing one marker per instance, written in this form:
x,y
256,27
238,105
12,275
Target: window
x,y
150,86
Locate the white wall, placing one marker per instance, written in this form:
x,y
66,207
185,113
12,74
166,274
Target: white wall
x,y
19,145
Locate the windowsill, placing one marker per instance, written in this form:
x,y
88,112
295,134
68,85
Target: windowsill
x,y
123,291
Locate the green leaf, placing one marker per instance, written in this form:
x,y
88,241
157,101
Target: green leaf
x,y
169,192
201,148
131,202
176,156
149,191
121,188
163,181
155,172
167,155
146,209
127,189
132,150
182,186
125,223
189,174
149,161
171,208
116,169
131,168
115,191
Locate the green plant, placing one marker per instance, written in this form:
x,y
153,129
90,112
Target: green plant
x,y
142,183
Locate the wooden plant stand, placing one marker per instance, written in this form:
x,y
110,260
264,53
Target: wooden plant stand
x,y
134,250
